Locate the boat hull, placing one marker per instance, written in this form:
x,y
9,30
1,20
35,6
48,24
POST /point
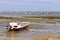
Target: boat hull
x,y
17,26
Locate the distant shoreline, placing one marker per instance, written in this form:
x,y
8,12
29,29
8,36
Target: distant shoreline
x,y
47,17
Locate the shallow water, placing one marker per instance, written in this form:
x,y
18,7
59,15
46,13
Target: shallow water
x,y
34,30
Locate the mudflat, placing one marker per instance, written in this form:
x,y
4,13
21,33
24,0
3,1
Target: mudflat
x,y
39,29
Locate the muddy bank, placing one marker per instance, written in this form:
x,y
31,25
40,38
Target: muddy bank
x,y
33,19
48,17
49,37
39,29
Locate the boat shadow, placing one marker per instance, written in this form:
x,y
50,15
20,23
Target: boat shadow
x,y
20,29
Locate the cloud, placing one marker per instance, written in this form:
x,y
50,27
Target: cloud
x,y
8,2
50,0
29,4
16,2
23,2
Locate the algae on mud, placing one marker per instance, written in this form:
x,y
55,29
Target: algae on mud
x,y
48,19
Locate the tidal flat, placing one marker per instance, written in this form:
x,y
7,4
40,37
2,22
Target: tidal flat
x,y
39,29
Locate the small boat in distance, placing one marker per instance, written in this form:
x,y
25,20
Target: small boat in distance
x,y
16,25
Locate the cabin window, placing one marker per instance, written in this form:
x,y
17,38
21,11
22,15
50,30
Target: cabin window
x,y
17,23
15,26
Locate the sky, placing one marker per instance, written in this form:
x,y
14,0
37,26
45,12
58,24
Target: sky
x,y
29,5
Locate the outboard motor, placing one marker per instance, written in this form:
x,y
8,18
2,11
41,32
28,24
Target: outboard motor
x,y
8,27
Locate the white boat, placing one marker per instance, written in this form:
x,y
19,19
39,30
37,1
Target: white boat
x,y
16,25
